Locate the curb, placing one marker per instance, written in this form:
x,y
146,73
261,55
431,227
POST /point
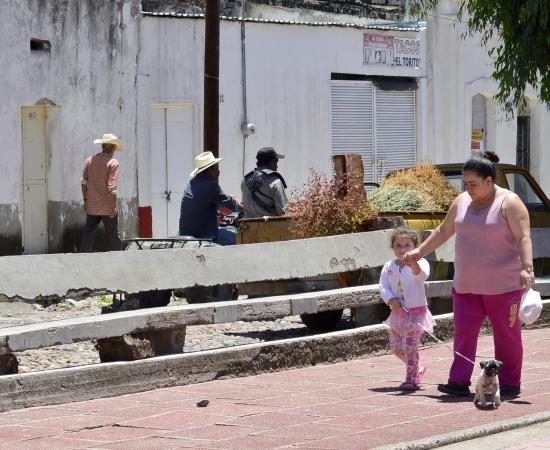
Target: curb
x,y
470,433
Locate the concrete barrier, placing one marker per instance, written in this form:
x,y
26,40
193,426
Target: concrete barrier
x,y
71,274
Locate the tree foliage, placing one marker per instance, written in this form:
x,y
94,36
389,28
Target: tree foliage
x,y
517,35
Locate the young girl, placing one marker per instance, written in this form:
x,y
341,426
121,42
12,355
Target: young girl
x,y
402,288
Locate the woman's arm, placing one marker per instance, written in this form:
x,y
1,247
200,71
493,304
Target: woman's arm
x,y
517,216
439,236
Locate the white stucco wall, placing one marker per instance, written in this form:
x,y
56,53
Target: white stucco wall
x,y
89,75
459,69
108,66
288,77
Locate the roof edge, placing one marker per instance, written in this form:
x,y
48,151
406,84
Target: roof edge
x,y
393,26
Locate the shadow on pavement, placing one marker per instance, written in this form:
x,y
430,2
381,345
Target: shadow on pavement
x,y
393,390
443,398
385,389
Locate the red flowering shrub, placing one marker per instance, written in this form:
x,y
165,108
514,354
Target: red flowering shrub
x,y
327,207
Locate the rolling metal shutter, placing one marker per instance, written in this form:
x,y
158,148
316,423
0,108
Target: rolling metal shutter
x,y
395,124
379,125
352,121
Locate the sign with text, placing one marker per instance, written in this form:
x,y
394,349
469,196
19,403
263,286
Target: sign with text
x,y
391,51
478,140
377,49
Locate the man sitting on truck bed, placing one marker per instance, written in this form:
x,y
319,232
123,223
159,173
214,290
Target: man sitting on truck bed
x,y
264,188
200,202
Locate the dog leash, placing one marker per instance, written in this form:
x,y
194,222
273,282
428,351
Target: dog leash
x,y
439,340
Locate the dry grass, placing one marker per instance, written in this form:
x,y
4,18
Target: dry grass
x,y
434,192
400,198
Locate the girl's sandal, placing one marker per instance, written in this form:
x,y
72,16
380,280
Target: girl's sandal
x,y
409,387
421,372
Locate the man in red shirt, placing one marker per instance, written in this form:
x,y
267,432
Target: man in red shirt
x,y
99,191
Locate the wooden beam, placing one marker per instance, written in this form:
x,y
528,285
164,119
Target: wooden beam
x,y
45,334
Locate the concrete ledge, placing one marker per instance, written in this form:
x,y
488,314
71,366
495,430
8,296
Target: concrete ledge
x,y
470,433
46,334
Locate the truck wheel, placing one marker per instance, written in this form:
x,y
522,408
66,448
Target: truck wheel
x,y
206,294
225,292
322,321
146,299
153,299
195,294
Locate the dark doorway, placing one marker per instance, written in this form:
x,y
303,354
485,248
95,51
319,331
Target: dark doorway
x,y
523,142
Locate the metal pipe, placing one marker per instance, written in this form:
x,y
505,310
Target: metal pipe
x,y
243,79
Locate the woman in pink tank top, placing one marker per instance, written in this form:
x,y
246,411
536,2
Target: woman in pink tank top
x,y
493,266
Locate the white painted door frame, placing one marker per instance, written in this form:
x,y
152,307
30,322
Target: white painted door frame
x,y
34,179
174,145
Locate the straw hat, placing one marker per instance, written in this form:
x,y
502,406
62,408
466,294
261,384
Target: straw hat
x,y
109,138
203,162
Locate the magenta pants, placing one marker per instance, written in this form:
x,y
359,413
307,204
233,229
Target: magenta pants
x,y
469,312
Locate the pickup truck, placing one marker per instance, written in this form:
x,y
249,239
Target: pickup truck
x,y
509,176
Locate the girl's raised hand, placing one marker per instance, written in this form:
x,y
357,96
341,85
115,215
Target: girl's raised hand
x,y
412,256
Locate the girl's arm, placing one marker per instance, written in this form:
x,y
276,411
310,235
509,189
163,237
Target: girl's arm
x,y
420,269
385,288
384,285
414,267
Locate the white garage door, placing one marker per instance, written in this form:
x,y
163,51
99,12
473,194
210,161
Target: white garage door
x,y
379,125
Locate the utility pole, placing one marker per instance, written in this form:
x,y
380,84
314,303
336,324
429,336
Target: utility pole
x,y
211,76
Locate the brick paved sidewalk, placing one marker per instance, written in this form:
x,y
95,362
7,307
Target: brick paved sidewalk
x,y
352,405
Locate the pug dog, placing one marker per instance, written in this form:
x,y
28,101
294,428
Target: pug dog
x,y
487,383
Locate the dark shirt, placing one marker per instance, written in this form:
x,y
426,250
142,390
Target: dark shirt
x,y
199,208
268,198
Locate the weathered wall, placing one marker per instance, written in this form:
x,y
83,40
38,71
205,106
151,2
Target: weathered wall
x,y
89,75
288,80
458,69
108,65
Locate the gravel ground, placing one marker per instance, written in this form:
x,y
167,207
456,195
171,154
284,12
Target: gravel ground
x,y
198,338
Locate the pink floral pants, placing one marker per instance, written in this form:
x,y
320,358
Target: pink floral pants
x,y
405,337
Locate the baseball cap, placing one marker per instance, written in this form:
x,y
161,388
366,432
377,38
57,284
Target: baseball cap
x,y
267,154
